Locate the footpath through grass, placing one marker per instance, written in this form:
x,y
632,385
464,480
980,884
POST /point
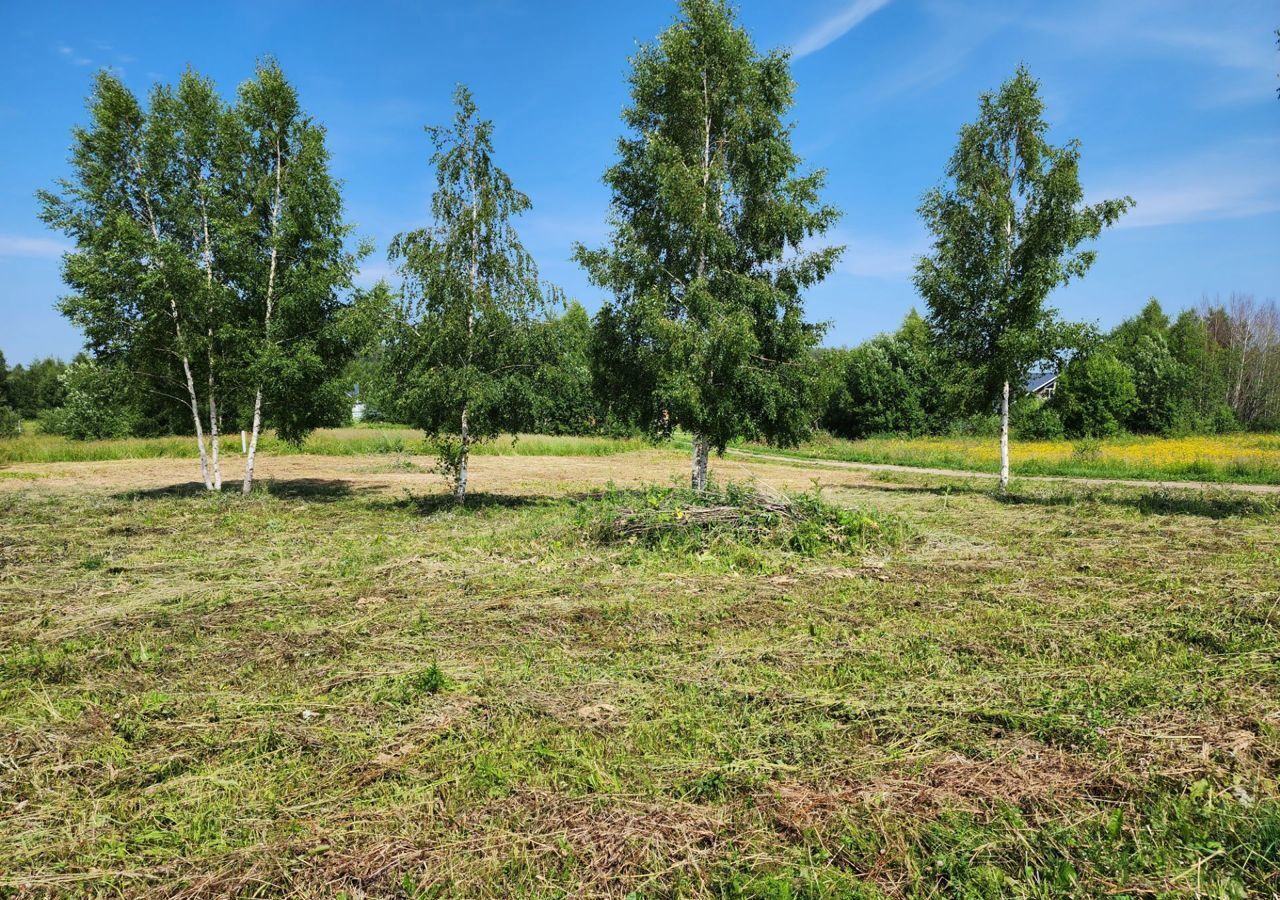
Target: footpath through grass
x,y
1238,458
315,690
34,447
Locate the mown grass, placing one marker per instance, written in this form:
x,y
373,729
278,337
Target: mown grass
x,y
307,692
35,447
1239,458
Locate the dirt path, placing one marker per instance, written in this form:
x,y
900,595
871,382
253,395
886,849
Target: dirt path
x,y
811,463
337,475
524,475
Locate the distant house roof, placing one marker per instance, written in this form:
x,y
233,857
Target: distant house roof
x,y
1040,382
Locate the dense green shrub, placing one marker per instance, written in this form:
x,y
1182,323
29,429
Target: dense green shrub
x,y
1032,419
97,404
10,422
34,388
1095,396
887,385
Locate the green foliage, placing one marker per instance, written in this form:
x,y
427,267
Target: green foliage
x,y
209,253
10,422
457,347
1184,375
36,387
292,264
98,404
1032,419
888,385
711,223
561,399
1096,395
724,520
1007,231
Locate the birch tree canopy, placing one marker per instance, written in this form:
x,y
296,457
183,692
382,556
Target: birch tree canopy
x,y
714,227
209,256
471,292
1007,229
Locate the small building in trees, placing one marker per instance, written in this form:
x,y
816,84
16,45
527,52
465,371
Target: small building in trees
x,y
1042,385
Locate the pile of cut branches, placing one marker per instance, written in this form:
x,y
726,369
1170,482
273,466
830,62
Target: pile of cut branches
x,y
684,519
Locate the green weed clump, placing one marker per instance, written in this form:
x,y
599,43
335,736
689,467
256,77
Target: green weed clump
x,y
737,515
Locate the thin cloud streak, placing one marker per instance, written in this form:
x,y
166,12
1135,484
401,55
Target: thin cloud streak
x,y
874,256
1232,182
832,29
31,247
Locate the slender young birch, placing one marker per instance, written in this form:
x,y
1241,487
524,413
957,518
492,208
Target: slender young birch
x,y
201,153
292,264
457,349
1006,232
709,257
273,241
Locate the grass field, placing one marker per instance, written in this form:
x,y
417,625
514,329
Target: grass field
x,y
341,684
34,447
1239,458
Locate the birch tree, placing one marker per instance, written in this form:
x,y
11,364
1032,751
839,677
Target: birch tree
x,y
209,254
470,294
1007,228
138,294
713,226
291,263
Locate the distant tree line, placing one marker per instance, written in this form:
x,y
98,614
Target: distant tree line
x,y
31,389
1213,369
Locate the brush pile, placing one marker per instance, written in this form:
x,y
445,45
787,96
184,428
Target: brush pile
x,y
683,519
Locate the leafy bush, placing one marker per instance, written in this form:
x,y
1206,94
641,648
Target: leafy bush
x,y
887,385
1087,449
687,521
96,405
1095,396
10,422
977,425
1031,419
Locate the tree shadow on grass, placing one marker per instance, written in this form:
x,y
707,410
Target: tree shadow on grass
x,y
315,490
1224,504
480,501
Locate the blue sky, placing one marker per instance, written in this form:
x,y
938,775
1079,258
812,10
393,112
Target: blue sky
x,y
1174,102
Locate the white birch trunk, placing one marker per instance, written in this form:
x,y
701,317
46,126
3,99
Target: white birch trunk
x,y
464,447
698,462
213,427
195,407
253,443
1004,439
706,165
193,400
214,423
464,453
266,327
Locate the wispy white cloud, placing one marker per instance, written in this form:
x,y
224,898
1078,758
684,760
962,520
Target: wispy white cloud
x,y
835,27
1228,182
954,36
31,247
1234,47
877,256
70,55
